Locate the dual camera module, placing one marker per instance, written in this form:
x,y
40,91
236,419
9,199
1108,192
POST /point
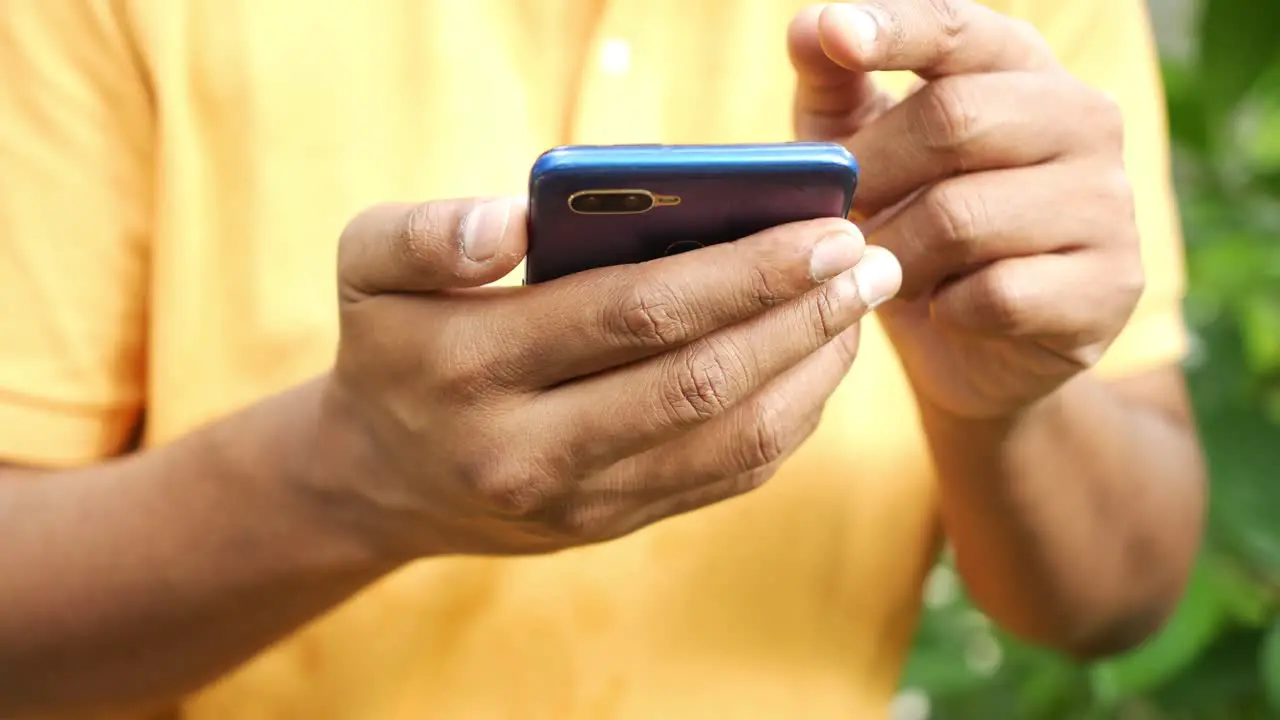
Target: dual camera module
x,y
611,202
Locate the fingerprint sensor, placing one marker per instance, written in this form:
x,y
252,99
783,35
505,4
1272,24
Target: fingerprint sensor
x,y
682,246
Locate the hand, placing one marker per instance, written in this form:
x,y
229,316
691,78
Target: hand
x,y
999,184
523,420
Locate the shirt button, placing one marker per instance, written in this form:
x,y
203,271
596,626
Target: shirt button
x,y
615,57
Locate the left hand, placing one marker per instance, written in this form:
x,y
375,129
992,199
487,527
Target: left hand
x,y
999,184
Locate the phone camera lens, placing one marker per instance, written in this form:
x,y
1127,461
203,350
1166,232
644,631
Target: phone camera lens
x,y
593,203
585,203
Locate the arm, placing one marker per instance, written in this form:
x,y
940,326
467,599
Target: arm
x,y
145,577
1076,523
129,579
1025,189
141,578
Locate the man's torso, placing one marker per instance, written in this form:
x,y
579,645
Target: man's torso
x,y
276,122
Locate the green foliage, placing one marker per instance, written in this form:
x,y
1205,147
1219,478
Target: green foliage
x,y
1219,657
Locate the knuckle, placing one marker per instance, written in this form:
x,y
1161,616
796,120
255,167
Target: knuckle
x,y
1088,356
704,380
511,491
495,482
753,479
650,316
421,234
948,119
1109,110
767,288
952,19
1027,34
1119,190
810,424
519,500
826,312
459,375
955,217
1133,282
765,442
1000,300
581,520
845,346
1109,118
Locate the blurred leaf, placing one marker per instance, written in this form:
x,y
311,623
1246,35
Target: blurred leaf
x,y
1271,403
1260,320
941,673
1223,682
1044,690
1260,126
1194,624
1237,47
1268,181
1243,453
1269,664
1188,126
1247,602
1232,266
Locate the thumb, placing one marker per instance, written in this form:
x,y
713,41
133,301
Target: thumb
x,y
425,247
832,102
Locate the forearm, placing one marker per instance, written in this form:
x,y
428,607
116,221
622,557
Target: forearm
x,y
1076,524
140,579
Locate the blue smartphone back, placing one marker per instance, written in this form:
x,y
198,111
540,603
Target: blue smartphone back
x,y
660,200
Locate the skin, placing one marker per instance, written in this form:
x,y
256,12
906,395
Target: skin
x,y
260,522
1074,505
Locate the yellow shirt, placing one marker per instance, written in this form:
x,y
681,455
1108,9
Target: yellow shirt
x,y
173,178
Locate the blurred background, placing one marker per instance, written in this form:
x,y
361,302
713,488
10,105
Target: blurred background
x,y
1220,656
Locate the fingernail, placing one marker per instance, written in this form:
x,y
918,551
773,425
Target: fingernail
x,y
484,227
878,276
834,254
862,23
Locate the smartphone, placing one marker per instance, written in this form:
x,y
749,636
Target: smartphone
x,y
593,206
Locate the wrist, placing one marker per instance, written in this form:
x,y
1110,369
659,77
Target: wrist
x,y
937,419
294,459
942,424
363,484
977,451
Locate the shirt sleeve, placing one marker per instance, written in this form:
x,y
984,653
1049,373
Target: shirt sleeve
x,y
1109,44
75,189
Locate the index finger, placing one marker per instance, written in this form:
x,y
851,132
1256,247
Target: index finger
x,y
584,323
932,38
830,101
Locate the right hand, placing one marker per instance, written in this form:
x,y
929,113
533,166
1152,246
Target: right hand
x,y
526,420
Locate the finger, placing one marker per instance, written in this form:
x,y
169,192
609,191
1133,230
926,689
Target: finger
x,y
424,247
933,38
831,102
960,224
592,321
691,499
645,404
760,433
1075,300
615,512
974,123
722,459
734,454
